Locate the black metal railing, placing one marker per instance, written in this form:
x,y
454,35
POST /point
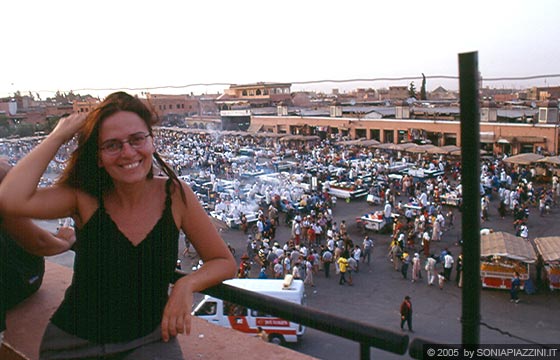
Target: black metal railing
x,y
365,334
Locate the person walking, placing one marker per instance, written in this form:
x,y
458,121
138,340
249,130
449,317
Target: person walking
x,y
368,247
431,269
308,264
327,259
127,240
448,265
342,262
394,254
405,263
416,267
406,313
515,286
459,276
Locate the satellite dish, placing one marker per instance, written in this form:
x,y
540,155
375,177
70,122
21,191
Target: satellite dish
x,y
533,104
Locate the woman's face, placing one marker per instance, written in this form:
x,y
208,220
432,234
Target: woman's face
x,y
125,147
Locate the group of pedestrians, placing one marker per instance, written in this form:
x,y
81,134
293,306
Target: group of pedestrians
x,y
317,245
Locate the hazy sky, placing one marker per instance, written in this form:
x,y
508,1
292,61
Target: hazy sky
x,y
67,45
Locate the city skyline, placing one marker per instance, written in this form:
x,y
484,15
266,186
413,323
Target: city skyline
x,y
136,47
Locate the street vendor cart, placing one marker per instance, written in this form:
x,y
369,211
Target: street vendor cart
x,y
501,255
346,190
373,221
549,250
451,199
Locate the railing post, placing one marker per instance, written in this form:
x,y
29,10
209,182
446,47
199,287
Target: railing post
x,y
364,351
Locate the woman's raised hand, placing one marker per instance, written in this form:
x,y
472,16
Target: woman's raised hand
x,y
69,125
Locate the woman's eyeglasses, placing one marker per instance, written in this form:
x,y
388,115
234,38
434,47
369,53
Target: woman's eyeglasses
x,y
115,146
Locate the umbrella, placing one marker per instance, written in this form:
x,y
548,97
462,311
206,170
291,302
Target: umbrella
x,y
458,152
300,138
350,142
370,142
523,159
550,160
387,146
407,146
447,149
437,150
420,148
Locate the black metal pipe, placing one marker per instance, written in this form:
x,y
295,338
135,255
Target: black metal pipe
x,y
364,352
470,181
366,334
418,347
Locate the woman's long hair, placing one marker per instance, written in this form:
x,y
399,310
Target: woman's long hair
x,y
82,171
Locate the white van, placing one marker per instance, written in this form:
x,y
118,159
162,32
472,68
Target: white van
x,y
246,320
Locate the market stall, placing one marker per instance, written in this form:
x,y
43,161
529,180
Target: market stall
x,y
346,190
549,249
373,221
415,207
451,199
501,255
422,174
233,222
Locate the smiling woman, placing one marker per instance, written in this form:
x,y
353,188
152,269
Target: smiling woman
x,y
128,223
114,146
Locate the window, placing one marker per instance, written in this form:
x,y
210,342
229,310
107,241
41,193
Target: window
x,y
231,309
389,136
244,93
208,308
257,313
258,92
403,136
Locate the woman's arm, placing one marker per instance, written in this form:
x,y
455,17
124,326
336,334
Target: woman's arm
x,y
37,240
219,265
19,195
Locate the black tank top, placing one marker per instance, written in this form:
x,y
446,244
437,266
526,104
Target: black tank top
x,y
118,290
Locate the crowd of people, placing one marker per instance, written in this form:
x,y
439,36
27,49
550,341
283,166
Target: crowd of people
x,y
418,211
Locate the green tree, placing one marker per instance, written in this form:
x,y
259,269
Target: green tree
x,y
4,132
50,124
423,95
412,90
25,129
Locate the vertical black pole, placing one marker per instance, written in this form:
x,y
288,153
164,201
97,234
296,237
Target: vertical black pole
x,y
470,180
364,351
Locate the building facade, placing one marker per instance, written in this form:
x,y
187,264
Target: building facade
x,y
496,137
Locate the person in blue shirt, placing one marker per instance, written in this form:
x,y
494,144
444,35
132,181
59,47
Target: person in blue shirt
x,y
515,286
262,274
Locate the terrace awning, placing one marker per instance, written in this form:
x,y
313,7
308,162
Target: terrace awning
x,y
487,137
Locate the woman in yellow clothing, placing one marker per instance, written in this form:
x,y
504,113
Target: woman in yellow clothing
x,y
342,265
